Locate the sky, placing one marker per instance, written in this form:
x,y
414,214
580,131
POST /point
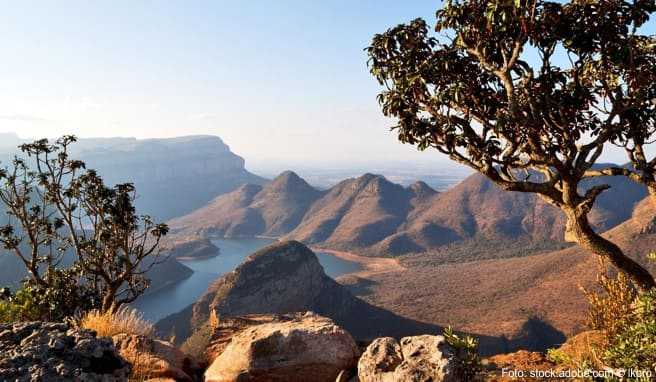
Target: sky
x,y
281,82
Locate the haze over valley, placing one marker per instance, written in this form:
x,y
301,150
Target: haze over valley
x,y
217,210
328,191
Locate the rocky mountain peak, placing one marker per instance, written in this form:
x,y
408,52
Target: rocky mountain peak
x,y
289,181
266,282
276,262
421,190
369,183
284,277
369,178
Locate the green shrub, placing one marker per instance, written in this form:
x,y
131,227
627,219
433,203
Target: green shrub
x,y
58,207
635,346
558,356
19,307
467,353
60,298
628,321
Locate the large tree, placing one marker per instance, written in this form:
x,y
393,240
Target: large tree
x,y
529,93
58,208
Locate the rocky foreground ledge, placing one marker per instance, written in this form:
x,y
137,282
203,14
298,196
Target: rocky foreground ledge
x,y
302,347
38,351
296,347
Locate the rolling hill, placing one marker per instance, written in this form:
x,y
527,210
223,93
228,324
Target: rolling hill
x,y
373,216
498,297
252,210
361,211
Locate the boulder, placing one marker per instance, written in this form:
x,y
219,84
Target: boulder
x,y
225,328
155,359
294,347
413,359
40,351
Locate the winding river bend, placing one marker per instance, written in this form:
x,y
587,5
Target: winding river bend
x,y
176,297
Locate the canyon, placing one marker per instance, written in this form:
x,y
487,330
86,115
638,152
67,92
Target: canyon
x,y
474,257
482,260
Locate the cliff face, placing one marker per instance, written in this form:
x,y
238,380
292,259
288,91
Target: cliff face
x,y
172,176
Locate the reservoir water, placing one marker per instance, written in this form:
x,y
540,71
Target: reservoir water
x,y
174,298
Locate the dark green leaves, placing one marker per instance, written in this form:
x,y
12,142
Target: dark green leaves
x,y
60,206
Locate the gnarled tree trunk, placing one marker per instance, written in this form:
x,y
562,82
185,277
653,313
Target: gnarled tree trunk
x,y
579,231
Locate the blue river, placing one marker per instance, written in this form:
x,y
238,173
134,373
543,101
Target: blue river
x,y
174,298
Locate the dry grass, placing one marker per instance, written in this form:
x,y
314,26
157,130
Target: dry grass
x,y
141,370
611,311
582,351
124,320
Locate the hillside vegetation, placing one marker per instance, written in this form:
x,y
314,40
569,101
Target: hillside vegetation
x,y
373,216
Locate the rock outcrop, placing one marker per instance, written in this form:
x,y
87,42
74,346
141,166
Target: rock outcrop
x,y
190,248
37,351
154,358
287,277
413,359
291,348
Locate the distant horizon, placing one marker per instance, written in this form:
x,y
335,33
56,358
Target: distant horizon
x,y
270,167
438,174
295,91
322,174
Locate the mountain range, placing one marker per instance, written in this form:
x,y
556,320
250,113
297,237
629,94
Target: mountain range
x,y
471,256
373,216
173,176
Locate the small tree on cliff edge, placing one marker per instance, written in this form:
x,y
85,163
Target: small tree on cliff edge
x,y
470,92
57,208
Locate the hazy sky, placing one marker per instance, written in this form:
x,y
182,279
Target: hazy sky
x,y
279,81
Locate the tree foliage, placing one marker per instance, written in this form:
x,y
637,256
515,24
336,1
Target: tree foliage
x,y
472,91
59,209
